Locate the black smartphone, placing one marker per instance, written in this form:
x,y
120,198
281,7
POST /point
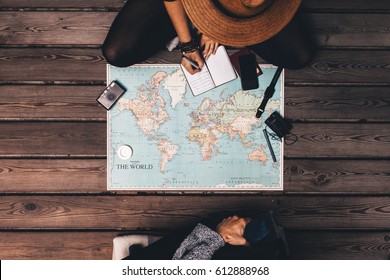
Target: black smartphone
x,y
248,66
110,95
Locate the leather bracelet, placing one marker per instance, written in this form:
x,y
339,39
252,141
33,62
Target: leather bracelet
x,y
188,47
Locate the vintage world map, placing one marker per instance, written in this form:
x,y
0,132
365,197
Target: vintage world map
x,y
176,141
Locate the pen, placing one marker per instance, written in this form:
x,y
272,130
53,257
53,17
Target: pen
x,y
269,145
193,63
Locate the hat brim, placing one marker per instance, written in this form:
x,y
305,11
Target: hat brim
x,y
239,32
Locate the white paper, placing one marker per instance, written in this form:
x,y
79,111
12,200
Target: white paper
x,y
220,67
217,70
199,82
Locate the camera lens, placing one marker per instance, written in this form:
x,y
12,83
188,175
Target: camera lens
x,y
111,96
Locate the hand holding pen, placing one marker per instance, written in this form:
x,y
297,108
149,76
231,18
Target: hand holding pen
x,y
192,62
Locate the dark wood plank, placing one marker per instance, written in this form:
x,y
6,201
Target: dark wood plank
x,y
344,67
89,176
41,102
54,176
163,213
90,28
54,28
52,139
347,5
339,245
338,75
72,4
340,140
56,245
337,103
350,30
52,64
321,245
337,176
57,64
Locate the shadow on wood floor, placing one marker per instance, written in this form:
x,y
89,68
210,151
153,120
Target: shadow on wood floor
x,y
54,203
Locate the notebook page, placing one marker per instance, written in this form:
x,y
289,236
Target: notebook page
x,y
199,82
220,67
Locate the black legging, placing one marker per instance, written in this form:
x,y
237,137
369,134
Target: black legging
x,y
141,29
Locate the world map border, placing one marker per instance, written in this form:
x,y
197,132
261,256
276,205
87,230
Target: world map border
x,y
192,188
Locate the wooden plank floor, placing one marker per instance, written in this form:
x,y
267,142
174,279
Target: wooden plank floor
x,y
53,198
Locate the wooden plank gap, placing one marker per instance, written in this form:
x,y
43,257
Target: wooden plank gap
x,y
58,9
354,48
43,46
59,119
337,84
352,158
54,83
52,156
322,121
345,11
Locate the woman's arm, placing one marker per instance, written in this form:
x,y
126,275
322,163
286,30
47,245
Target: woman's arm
x,y
200,244
179,20
203,242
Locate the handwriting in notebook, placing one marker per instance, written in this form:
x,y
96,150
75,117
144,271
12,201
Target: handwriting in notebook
x,y
217,70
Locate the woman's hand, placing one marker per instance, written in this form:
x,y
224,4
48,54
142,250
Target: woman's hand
x,y
208,46
232,230
196,58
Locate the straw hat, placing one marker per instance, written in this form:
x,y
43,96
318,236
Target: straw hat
x,y
240,22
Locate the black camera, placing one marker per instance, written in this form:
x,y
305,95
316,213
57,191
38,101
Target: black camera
x,y
110,95
278,124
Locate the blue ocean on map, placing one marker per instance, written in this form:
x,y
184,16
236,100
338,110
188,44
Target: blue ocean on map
x,y
180,141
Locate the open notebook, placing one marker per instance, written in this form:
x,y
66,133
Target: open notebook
x,y
217,70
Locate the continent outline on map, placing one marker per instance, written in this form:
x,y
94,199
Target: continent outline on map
x,y
217,124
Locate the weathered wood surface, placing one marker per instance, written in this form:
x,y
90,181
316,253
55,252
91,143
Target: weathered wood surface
x,y
341,140
73,102
344,67
339,245
89,176
90,28
56,245
336,245
52,64
72,139
341,103
53,139
318,5
55,4
42,102
337,176
54,28
347,5
330,67
163,213
53,176
356,245
350,30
